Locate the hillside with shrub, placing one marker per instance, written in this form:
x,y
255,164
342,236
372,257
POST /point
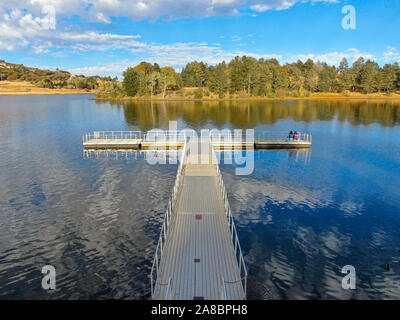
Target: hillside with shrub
x,y
49,79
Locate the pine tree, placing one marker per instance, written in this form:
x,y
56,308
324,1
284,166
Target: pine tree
x,y
280,82
369,76
355,74
327,78
195,74
296,79
218,79
388,77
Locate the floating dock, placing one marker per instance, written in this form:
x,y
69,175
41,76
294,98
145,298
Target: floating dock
x,y
198,255
173,140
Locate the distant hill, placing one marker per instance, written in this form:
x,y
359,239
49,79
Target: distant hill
x,y
11,71
50,79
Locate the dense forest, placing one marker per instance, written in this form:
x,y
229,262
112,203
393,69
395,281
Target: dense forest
x,y
53,79
247,76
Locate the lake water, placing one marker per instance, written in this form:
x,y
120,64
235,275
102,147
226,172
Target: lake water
x,y
301,216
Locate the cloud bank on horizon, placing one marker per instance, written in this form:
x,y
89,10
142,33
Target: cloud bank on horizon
x,y
55,29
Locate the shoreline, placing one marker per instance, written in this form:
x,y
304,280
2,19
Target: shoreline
x,y
248,99
176,99
41,93
364,98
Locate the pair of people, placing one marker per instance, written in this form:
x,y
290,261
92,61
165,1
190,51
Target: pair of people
x,y
293,136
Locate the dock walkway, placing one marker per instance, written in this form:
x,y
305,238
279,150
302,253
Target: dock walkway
x,y
199,259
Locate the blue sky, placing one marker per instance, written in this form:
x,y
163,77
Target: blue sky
x,y
106,36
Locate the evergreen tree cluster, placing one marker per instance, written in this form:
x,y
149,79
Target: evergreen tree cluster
x,y
247,76
262,77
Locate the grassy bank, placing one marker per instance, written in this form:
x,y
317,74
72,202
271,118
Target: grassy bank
x,y
27,88
189,94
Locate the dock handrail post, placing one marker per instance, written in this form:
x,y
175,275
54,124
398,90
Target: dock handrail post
x,y
168,289
169,213
245,286
157,263
236,242
233,228
240,257
152,284
165,233
167,216
240,266
223,289
161,245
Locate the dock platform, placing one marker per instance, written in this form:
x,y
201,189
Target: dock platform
x,y
199,259
198,254
146,141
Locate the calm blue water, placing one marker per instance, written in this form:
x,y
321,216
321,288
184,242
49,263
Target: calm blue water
x,y
301,216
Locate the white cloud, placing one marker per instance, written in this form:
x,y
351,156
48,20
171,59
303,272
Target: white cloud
x,y
333,58
104,10
176,55
97,41
20,29
112,69
391,55
265,5
27,23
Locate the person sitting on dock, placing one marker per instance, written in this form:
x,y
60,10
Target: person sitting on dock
x,y
291,136
296,136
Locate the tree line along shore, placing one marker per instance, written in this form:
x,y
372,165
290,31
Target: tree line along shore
x,y
243,78
249,78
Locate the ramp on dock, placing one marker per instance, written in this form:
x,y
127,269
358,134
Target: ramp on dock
x,y
200,250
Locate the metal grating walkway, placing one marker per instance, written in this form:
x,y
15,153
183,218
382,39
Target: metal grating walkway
x,y
199,260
